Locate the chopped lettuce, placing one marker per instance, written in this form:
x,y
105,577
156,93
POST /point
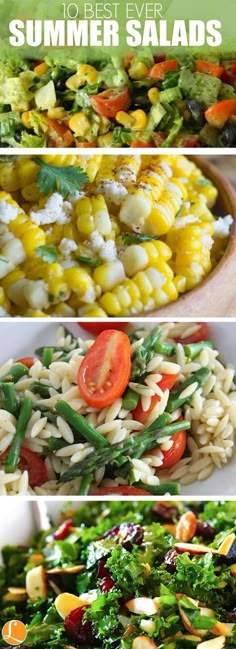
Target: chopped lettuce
x,y
29,140
114,74
16,91
197,85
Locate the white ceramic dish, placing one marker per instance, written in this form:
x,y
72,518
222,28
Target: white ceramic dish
x,y
21,338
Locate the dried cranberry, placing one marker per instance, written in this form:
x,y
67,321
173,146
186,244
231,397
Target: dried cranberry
x,y
128,534
81,632
106,584
163,513
170,560
205,530
232,615
102,570
63,531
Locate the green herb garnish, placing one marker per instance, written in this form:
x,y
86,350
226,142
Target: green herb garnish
x,y
65,180
48,254
88,261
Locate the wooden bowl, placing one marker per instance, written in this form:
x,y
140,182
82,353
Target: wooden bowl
x,y
216,296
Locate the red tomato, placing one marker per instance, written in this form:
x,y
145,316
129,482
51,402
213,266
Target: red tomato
x,y
84,145
206,67
201,334
127,60
176,451
159,70
220,112
167,382
97,327
109,102
105,370
28,361
31,462
122,491
229,72
59,134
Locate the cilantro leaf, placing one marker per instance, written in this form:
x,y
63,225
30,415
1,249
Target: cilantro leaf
x,y
65,180
48,254
129,239
203,182
88,261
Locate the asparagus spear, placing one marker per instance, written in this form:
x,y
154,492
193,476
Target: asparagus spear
x,y
47,357
79,423
15,448
175,400
144,353
172,488
9,399
15,373
119,454
130,399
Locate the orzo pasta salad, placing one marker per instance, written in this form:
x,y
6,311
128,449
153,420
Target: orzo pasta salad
x,y
142,575
144,411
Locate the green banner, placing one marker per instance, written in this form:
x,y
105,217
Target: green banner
x,y
95,29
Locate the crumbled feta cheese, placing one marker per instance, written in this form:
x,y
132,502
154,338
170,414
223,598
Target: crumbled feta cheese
x,y
67,246
112,191
56,210
207,241
182,221
187,205
222,226
106,250
73,198
126,174
8,212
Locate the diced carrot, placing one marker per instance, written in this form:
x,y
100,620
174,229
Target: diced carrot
x,y
206,67
220,112
159,70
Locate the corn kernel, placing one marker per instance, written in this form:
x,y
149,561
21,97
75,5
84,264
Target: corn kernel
x,y
110,303
153,95
41,69
33,238
79,124
78,280
110,274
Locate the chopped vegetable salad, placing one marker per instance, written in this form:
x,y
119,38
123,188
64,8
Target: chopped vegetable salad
x,y
137,101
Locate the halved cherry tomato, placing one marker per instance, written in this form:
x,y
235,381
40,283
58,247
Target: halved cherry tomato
x,y
97,327
201,334
59,134
229,72
121,491
159,70
28,361
63,530
206,67
176,451
111,101
33,463
220,112
105,370
167,382
127,60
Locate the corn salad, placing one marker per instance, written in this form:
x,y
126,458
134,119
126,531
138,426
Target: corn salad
x,y
139,233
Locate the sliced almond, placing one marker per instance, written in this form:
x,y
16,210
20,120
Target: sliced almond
x,y
66,602
195,548
36,584
223,628
142,642
15,594
148,626
216,643
17,591
68,570
147,568
226,545
142,606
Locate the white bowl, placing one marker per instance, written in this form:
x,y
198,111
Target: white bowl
x,y
21,338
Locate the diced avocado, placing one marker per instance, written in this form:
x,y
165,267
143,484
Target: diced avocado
x,y
156,114
113,75
45,97
209,136
227,92
169,95
202,87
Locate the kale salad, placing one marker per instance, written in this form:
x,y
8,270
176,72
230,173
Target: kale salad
x,y
140,575
139,100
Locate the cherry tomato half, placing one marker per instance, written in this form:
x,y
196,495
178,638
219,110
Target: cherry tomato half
x,y
111,101
105,370
122,491
59,134
167,382
97,327
33,463
201,334
176,451
28,361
